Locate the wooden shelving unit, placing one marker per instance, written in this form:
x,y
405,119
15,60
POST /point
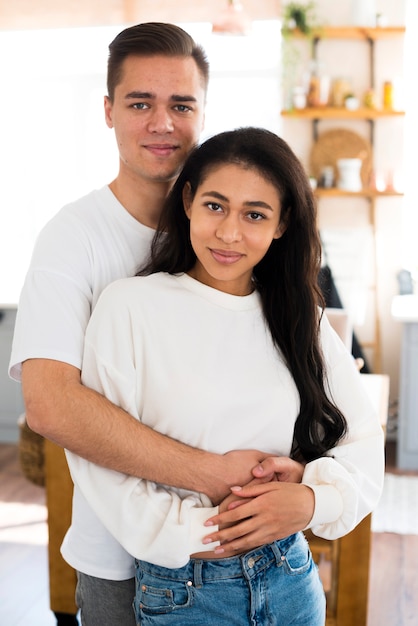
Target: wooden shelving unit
x,y
354,32
316,114
340,113
364,193
344,563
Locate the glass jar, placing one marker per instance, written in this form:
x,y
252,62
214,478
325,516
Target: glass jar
x,y
388,95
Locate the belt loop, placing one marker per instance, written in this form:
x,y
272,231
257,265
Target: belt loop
x,y
197,574
277,552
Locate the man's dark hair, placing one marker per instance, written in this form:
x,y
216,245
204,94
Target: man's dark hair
x,y
151,39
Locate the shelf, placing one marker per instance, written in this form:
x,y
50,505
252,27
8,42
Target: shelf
x,y
353,32
364,193
332,113
367,37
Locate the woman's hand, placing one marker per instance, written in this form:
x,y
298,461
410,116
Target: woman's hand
x,y
260,513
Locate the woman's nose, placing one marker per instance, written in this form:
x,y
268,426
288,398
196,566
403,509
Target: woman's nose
x,y
229,231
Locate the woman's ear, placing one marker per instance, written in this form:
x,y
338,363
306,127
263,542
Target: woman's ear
x,y
280,230
187,198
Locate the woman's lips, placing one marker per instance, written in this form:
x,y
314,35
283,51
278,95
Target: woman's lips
x,y
227,257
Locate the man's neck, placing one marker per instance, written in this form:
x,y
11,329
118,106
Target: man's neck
x,y
144,202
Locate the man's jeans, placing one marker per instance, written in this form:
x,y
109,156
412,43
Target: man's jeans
x,y
275,585
105,602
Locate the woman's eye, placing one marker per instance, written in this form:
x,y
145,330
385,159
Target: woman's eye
x,y
213,206
255,217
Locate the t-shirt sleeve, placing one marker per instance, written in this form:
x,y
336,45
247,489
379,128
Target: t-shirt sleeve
x,y
55,301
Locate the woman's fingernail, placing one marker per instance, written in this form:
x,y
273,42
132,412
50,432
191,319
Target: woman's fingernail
x,y
236,488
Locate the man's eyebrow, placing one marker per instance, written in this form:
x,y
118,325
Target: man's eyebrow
x,y
185,98
147,95
139,95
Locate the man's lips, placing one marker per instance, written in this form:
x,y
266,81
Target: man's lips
x,y
227,257
161,149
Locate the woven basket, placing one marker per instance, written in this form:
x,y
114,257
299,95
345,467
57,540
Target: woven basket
x,y
31,453
340,143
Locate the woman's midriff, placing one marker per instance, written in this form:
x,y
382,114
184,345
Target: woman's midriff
x,y
210,556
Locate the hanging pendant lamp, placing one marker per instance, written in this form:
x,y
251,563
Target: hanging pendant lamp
x,y
233,20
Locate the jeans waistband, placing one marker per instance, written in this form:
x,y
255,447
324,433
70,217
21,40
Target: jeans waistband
x,y
198,571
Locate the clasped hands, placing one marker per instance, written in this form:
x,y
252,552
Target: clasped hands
x,y
273,505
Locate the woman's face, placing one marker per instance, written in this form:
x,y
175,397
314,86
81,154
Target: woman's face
x,y
234,216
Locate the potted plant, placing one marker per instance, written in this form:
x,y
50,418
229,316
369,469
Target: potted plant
x,y
301,18
298,16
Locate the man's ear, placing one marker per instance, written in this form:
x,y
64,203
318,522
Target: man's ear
x,y
108,111
187,198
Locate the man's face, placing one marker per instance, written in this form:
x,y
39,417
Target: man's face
x,y
157,115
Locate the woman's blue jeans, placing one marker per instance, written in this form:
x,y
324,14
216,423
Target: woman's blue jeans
x,y
275,585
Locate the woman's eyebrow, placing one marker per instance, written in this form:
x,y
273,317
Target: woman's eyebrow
x,y
250,203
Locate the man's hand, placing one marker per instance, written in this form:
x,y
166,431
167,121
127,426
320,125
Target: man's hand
x,y
280,468
234,468
270,511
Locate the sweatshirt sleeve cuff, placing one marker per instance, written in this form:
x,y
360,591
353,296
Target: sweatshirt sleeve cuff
x,y
198,531
328,505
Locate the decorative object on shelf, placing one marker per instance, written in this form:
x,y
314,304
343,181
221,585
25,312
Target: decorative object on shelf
x,y
340,143
299,97
326,180
297,18
363,12
370,101
319,86
341,86
233,20
300,16
388,96
351,102
381,20
349,178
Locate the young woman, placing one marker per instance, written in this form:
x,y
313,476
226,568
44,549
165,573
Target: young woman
x,y
220,342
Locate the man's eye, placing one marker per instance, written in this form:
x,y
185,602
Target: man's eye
x,y
139,106
182,108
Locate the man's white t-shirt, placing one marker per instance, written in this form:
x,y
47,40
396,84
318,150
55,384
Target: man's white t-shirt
x,y
85,246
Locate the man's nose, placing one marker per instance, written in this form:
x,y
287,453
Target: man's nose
x,y
161,121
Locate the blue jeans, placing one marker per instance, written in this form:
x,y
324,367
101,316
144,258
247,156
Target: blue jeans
x,y
276,585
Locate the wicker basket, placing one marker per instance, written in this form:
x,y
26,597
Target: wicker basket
x,y
340,143
31,453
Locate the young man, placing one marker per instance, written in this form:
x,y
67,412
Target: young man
x,y
157,81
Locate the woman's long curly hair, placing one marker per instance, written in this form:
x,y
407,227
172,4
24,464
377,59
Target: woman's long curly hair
x,y
286,278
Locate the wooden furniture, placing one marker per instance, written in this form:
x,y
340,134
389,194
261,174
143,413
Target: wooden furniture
x,y
344,563
405,310
317,114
